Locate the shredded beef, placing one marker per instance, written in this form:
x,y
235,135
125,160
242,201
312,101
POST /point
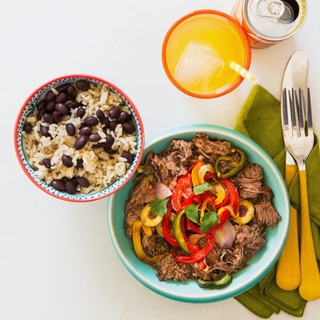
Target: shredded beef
x,y
210,148
266,213
168,268
174,162
249,182
141,194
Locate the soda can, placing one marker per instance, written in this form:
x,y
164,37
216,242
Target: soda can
x,y
268,22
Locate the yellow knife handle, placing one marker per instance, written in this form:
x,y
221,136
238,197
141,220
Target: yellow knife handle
x,y
310,278
288,274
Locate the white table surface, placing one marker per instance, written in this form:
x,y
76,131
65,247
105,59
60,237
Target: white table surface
x,y
56,258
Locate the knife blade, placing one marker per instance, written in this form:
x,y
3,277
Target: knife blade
x,y
288,272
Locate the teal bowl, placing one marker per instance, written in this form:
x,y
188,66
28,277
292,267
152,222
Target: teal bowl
x,y
259,265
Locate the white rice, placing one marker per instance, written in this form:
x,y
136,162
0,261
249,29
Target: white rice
x,y
100,168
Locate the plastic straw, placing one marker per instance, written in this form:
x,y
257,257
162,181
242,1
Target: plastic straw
x,y
243,72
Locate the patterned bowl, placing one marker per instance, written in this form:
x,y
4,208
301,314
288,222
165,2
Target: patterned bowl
x,y
111,185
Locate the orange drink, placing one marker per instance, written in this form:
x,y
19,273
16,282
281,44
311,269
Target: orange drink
x,y
197,52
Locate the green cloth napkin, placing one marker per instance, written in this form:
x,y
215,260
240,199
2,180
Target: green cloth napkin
x,y
260,119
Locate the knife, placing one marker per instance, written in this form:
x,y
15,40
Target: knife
x,y
288,272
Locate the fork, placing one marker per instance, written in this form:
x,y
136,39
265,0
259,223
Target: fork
x,y
299,139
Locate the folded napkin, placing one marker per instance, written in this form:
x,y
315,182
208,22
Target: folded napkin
x,y
260,119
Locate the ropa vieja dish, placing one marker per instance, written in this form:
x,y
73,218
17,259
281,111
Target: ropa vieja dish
x,y
199,210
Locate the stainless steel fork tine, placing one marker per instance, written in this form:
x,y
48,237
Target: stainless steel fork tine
x,y
299,105
285,108
309,113
292,109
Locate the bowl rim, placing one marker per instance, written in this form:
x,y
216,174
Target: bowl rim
x,y
163,289
84,197
242,35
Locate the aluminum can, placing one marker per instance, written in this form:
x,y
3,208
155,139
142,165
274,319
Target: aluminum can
x,y
268,22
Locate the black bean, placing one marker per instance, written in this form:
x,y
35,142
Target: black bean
x,y
123,117
94,137
129,156
101,116
61,97
114,113
47,117
109,141
81,112
106,122
79,164
80,142
83,182
91,121
113,125
71,92
71,104
50,106
83,85
27,128
85,130
62,108
50,95
41,104
40,113
57,184
67,161
110,151
44,131
47,163
70,186
71,129
56,116
128,127
62,87
98,145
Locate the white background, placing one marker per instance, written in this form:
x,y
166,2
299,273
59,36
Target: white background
x,y
56,258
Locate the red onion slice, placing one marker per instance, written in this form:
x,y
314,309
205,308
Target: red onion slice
x,y
225,236
161,190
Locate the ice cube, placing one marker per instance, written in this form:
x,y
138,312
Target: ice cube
x,y
198,66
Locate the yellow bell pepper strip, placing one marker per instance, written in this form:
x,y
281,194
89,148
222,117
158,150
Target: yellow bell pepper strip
x,y
232,196
233,159
148,219
136,238
180,234
245,212
198,255
203,170
195,172
219,193
224,281
203,208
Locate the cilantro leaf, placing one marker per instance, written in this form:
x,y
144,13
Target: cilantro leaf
x,y
202,188
192,212
158,207
209,220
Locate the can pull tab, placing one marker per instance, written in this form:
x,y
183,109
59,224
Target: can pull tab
x,y
268,8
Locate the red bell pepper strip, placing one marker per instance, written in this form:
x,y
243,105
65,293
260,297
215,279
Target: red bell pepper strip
x,y
223,217
200,254
193,227
166,227
181,191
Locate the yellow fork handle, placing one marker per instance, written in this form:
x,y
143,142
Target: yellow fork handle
x,y
310,278
288,275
